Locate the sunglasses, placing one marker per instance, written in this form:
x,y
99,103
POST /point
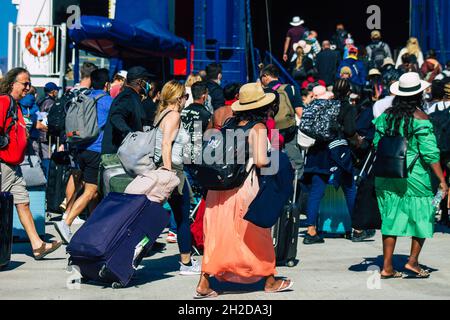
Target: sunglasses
x,y
25,84
186,96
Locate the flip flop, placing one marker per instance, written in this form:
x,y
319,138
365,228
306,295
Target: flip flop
x,y
281,289
395,275
210,295
42,253
422,274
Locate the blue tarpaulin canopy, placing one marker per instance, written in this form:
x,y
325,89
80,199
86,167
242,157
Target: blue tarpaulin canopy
x,y
116,39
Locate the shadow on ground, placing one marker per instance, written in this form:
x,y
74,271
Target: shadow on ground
x,y
399,262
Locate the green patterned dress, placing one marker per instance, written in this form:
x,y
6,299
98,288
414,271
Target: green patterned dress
x,y
406,204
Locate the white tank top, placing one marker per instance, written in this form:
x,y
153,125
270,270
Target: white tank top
x,y
180,142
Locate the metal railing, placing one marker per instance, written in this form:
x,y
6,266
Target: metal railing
x,y
285,76
232,68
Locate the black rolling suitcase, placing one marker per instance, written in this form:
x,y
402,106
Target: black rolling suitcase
x,y
58,177
285,232
6,226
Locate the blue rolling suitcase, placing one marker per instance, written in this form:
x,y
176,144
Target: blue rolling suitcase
x,y
111,244
37,208
334,218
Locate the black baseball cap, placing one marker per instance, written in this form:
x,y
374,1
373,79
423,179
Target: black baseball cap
x,y
138,72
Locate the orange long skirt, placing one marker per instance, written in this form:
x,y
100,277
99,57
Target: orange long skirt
x,y
236,250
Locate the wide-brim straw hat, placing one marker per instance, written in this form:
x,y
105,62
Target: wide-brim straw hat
x,y
252,97
409,85
297,21
302,43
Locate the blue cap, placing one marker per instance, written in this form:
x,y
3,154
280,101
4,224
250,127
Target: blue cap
x,y
51,86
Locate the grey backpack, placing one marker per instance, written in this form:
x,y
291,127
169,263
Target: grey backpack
x,y
81,120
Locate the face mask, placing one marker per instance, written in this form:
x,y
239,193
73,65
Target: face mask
x,y
147,88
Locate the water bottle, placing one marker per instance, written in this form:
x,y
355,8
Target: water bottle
x,y
438,199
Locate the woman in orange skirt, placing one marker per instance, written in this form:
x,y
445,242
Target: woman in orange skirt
x,y
236,250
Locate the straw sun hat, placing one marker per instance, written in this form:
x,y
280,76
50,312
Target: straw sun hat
x,y
252,97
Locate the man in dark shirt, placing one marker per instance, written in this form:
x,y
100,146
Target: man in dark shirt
x,y
338,39
127,113
294,35
196,119
328,62
214,79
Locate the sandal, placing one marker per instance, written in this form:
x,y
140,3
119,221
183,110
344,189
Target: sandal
x,y
210,295
422,274
395,275
41,253
280,288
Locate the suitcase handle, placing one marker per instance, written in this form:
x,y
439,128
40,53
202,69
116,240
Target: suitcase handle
x,y
295,186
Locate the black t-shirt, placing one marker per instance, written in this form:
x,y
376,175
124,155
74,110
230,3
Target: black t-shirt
x,y
195,120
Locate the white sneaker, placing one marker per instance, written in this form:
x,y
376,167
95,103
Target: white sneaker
x,y
77,221
64,231
193,270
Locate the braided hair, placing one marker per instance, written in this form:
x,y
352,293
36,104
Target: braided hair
x,y
341,89
403,108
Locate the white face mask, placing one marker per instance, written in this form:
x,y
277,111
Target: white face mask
x,y
219,82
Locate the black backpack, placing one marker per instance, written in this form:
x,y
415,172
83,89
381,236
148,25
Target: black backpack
x,y
391,157
441,124
57,114
226,165
378,54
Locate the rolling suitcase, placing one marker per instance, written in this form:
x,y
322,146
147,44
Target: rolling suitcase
x,y
119,183
110,167
6,226
58,176
110,246
37,208
285,232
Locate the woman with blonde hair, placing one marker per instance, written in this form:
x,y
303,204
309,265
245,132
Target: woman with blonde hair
x,y
193,78
412,48
302,66
170,140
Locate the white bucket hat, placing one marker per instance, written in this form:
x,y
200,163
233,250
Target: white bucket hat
x,y
409,85
297,21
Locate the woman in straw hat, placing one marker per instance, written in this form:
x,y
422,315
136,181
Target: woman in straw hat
x,y
406,204
235,249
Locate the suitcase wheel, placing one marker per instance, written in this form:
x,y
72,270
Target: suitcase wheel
x,y
117,285
103,272
291,263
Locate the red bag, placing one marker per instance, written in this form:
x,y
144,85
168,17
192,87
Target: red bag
x,y
198,237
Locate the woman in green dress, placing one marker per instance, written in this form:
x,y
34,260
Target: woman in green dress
x,y
406,204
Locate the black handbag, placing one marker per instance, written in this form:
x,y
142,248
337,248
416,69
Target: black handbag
x,y
390,161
